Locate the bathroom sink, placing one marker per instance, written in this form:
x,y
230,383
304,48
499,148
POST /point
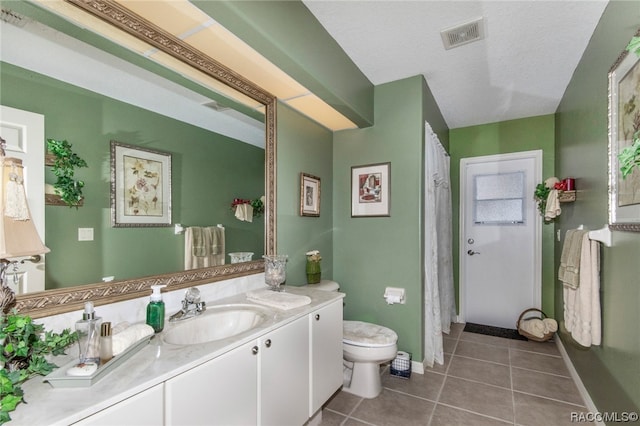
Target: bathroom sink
x,y
216,323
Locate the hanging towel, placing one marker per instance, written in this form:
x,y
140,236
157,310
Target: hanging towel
x,y
582,314
569,271
203,247
552,209
244,212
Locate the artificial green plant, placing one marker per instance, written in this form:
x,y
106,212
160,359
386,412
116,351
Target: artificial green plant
x,y
22,352
66,161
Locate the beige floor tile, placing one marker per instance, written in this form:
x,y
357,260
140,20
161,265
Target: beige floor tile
x,y
546,385
331,418
481,338
477,397
449,345
548,347
343,402
481,371
538,362
393,408
536,411
449,416
437,368
483,351
456,330
425,385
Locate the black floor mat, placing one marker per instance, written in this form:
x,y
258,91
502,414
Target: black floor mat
x,y
493,331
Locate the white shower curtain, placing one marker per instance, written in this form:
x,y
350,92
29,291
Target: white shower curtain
x,y
440,309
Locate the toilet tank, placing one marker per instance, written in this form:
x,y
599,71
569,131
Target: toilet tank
x,y
325,285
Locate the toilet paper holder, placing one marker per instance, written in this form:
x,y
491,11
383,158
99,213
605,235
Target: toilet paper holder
x,y
394,295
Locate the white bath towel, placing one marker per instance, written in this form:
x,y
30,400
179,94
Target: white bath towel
x,y
569,271
244,212
533,326
552,209
582,316
129,336
550,325
276,299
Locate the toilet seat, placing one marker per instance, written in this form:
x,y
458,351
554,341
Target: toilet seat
x,y
359,333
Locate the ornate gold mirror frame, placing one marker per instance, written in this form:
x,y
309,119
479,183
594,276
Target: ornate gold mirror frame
x,y
51,302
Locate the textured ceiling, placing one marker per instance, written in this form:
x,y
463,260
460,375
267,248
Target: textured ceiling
x,y
521,68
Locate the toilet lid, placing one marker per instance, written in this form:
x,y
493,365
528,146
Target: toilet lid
x,y
360,333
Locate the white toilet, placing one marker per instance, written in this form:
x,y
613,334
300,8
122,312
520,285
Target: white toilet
x,y
364,347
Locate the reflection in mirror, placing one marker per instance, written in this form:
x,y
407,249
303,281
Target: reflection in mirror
x,y
215,158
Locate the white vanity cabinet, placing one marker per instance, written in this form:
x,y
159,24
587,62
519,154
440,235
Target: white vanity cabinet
x,y
325,346
283,375
263,382
145,408
219,392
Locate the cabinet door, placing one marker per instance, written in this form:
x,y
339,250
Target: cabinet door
x,y
326,354
284,375
145,408
222,391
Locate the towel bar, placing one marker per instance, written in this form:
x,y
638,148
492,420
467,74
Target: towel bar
x,y
602,235
180,228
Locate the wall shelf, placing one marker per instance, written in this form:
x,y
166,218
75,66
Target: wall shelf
x,y
567,196
56,200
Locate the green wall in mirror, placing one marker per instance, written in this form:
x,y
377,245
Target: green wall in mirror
x,y
209,171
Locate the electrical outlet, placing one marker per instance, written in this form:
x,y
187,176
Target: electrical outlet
x,y
85,234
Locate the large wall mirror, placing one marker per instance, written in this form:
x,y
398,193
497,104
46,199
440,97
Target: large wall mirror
x,y
211,163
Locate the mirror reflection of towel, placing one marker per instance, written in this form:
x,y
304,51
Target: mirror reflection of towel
x,y
203,247
244,212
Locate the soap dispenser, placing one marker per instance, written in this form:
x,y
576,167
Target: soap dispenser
x,y
88,329
155,309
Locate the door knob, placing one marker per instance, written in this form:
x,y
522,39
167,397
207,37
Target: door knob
x,y
471,252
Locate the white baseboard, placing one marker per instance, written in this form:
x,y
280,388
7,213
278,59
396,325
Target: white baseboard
x,y
576,378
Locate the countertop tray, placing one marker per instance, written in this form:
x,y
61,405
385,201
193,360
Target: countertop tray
x,y
59,379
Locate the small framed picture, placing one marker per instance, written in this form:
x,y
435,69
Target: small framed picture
x,y
309,195
140,186
371,190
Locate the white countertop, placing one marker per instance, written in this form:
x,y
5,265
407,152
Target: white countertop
x,y
152,365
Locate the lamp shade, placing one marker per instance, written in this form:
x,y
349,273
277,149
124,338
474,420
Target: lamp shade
x,y
18,234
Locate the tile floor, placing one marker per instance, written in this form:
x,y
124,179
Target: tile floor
x,y
485,380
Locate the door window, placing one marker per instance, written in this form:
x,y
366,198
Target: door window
x,y
499,198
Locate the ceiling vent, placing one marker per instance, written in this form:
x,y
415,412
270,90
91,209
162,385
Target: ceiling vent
x,y
463,34
11,17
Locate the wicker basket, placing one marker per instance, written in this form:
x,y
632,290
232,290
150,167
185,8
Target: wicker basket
x,y
529,336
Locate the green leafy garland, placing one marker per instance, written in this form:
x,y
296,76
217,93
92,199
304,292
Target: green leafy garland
x,y
23,349
67,187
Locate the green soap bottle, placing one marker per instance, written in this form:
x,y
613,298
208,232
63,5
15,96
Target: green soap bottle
x,y
155,309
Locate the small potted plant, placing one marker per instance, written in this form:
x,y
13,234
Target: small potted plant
x,y
313,267
64,164
22,352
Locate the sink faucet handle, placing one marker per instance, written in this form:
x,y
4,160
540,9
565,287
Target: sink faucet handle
x,y
192,296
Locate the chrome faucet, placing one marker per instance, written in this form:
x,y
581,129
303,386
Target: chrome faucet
x,y
191,306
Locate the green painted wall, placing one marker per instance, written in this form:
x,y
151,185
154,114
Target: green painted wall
x,y
303,147
371,253
500,138
610,372
208,172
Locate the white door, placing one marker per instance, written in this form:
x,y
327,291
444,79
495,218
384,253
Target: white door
x,y
24,133
500,238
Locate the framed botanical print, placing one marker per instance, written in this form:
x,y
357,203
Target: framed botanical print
x,y
140,186
624,122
